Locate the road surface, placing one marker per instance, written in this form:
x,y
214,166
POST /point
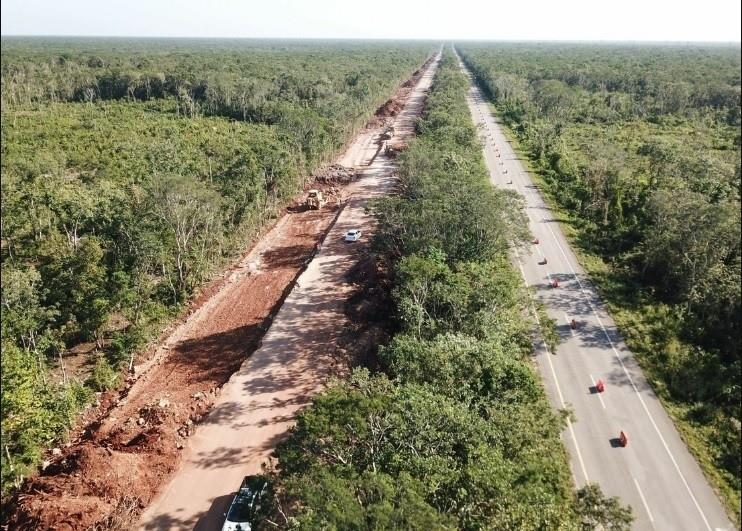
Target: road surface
x,y
655,473
259,403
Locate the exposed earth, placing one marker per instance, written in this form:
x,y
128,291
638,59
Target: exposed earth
x,y
131,444
302,349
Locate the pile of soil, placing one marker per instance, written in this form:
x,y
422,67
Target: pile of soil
x,y
336,174
128,445
118,462
391,108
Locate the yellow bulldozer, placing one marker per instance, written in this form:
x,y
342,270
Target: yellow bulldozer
x,y
315,199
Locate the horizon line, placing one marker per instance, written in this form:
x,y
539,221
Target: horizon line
x,y
571,40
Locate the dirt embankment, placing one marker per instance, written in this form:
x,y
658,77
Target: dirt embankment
x,y
119,460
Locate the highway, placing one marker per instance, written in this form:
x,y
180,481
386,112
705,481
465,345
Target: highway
x,y
655,473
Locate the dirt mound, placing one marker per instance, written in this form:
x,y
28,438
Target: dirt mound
x,y
60,513
384,115
105,478
117,462
390,109
88,482
336,174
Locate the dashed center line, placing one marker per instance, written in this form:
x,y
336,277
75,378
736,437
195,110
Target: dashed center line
x,y
644,501
595,385
617,355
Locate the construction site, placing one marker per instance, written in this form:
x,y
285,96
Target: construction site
x,y
298,307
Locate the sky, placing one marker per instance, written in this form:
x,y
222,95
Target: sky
x,y
632,20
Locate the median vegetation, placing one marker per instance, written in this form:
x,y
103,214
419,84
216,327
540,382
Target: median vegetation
x,y
451,429
639,149
130,171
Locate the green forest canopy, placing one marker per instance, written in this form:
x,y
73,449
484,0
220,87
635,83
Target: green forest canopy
x,y
640,145
130,170
454,431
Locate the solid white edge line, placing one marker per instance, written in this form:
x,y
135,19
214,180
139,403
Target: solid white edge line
x,y
631,380
556,380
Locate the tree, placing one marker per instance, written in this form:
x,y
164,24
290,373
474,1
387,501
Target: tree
x,y
23,316
463,368
366,501
35,411
598,511
189,214
76,278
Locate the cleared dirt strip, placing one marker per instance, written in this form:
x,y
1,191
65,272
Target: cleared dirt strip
x,y
260,402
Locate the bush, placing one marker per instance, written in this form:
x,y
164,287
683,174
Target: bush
x,y
103,376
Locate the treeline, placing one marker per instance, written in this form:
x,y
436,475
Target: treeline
x,y
114,211
609,83
641,145
454,431
290,84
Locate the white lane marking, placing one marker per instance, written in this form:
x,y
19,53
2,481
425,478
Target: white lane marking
x,y
631,380
599,397
556,380
638,394
644,501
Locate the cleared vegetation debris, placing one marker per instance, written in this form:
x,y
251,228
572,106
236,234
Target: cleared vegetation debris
x,y
336,174
131,444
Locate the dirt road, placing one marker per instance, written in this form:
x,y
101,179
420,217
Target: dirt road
x,y
259,403
134,440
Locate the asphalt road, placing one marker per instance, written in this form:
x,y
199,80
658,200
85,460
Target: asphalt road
x,y
259,403
655,473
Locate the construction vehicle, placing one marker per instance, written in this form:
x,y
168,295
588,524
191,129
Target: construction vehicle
x,y
315,199
388,133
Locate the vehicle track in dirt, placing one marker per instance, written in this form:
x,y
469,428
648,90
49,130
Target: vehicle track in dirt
x,y
119,462
298,354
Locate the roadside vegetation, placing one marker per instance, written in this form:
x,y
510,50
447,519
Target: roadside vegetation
x,y
638,148
451,428
130,171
